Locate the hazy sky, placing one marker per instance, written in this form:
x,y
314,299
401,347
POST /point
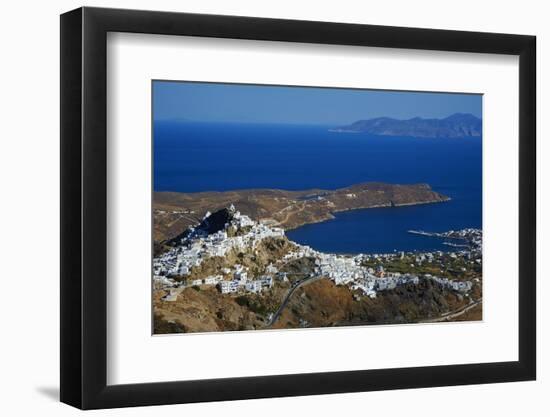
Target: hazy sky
x,y
272,104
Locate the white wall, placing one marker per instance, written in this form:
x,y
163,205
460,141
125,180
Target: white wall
x,y
29,210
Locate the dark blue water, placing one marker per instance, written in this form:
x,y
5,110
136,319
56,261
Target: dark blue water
x,y
191,157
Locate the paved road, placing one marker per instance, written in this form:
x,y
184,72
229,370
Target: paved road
x,y
288,295
450,315
455,313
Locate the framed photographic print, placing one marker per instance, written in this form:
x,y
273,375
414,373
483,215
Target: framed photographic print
x,y
258,207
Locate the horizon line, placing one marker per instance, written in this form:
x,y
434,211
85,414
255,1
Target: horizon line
x,y
183,119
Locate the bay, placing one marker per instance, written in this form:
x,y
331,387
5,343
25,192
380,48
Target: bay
x,y
193,157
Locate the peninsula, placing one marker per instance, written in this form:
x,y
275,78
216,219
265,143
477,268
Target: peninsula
x,y
176,212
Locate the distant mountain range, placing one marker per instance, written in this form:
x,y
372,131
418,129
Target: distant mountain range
x,y
458,125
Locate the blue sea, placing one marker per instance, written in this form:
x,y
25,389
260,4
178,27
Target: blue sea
x,y
192,157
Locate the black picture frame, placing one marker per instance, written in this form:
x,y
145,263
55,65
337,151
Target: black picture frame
x,y
84,207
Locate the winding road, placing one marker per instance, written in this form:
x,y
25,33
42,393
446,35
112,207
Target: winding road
x,y
289,294
456,313
444,317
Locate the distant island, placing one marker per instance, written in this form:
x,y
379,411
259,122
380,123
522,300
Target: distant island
x,y
175,212
458,125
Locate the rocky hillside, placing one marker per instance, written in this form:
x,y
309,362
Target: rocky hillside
x,y
175,212
322,304
319,304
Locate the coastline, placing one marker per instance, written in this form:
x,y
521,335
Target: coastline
x,y
332,213
288,209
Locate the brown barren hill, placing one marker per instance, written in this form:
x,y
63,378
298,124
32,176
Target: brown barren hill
x,y
175,212
324,304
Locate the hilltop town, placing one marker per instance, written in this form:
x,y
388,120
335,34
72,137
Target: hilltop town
x,y
230,272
